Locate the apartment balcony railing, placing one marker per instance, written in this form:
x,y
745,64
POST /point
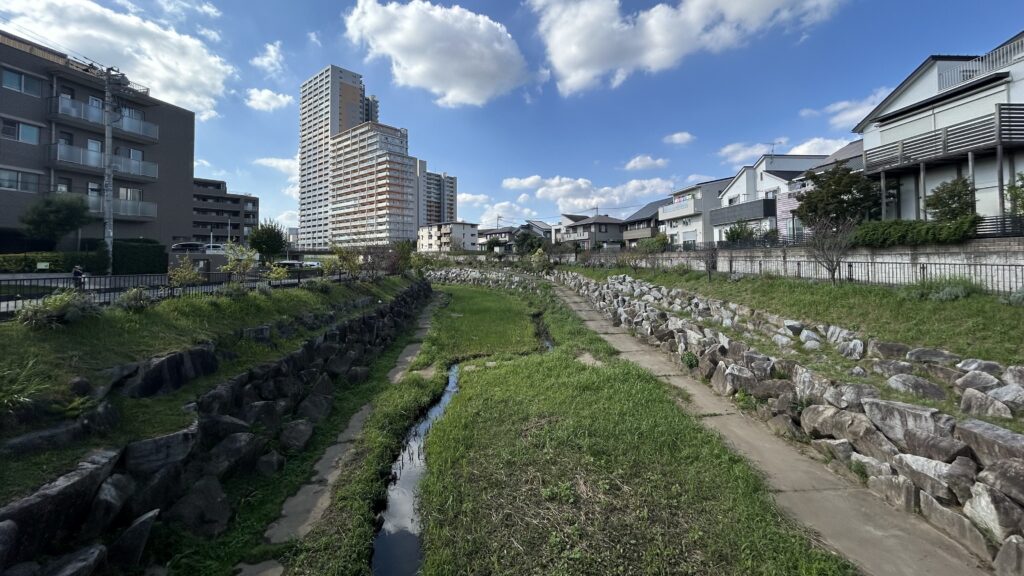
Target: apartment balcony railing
x,y
676,210
574,236
999,58
83,111
125,209
639,233
123,167
1006,126
743,212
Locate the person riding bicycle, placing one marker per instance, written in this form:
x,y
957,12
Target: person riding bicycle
x,y
77,274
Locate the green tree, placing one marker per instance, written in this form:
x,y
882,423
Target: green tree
x,y
951,200
491,244
347,260
654,245
527,242
404,249
839,194
183,273
1015,195
269,240
241,259
740,232
53,217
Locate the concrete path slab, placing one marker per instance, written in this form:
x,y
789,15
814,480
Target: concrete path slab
x,y
405,358
880,540
268,568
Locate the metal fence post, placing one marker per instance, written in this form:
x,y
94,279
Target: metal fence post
x,y
797,268
849,271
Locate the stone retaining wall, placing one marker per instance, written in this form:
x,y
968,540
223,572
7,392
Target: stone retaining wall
x,y
966,477
116,494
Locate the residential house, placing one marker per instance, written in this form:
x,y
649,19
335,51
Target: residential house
x,y
851,156
643,223
750,196
595,232
538,228
685,218
952,116
564,222
447,237
504,237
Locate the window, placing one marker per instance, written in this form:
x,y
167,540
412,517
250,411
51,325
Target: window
x,y
129,112
67,92
733,200
14,80
125,193
95,189
602,228
14,130
95,102
23,181
94,145
64,185
66,138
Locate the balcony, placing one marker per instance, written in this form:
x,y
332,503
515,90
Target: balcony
x,y
999,58
1005,126
677,210
573,236
136,210
639,233
744,212
77,158
92,116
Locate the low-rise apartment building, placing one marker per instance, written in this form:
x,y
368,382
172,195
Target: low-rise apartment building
x,y
952,116
447,237
643,223
52,142
595,232
219,216
684,219
750,196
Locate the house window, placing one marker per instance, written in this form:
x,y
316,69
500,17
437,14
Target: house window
x,y
733,200
14,130
602,228
66,138
64,185
129,193
67,92
95,189
22,181
13,80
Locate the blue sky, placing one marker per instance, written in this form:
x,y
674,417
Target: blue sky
x,y
539,106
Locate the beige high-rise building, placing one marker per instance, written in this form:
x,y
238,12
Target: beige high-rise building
x,y
437,195
330,102
373,186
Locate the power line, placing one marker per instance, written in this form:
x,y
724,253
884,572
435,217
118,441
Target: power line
x,y
49,43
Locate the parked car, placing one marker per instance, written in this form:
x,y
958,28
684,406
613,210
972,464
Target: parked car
x,y
289,264
188,247
213,248
311,264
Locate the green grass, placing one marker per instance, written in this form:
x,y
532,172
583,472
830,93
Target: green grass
x,y
342,542
148,417
542,465
979,326
257,500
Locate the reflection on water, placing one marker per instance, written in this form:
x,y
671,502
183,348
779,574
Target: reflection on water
x,y
396,548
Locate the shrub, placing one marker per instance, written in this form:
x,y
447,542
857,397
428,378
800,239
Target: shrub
x,y
942,289
183,273
885,234
134,299
232,290
951,200
94,262
690,359
319,285
1016,298
264,290
61,307
740,232
277,273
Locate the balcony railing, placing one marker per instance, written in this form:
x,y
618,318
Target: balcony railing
x,y
743,212
676,210
94,159
1006,125
571,237
121,207
999,58
70,108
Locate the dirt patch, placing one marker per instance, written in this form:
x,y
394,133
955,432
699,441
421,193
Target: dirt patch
x,y
588,359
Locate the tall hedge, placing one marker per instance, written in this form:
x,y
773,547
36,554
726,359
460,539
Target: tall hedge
x,y
139,256
94,262
889,233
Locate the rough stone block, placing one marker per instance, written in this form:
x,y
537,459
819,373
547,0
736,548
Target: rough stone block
x,y
897,491
956,526
989,442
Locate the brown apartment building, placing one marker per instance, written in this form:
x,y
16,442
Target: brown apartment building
x,y
215,211
51,109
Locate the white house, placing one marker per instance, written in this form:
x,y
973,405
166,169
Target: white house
x,y
952,116
685,219
447,237
750,195
789,226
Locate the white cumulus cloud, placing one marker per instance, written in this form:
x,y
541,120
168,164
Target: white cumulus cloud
x,y
505,213
824,146
266,100
740,153
845,114
646,162
270,60
588,41
194,78
200,163
523,198
576,194
473,199
679,138
209,33
518,183
287,166
314,38
695,178
178,9
288,218
462,57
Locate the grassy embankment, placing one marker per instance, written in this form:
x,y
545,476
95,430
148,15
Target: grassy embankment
x,y
542,465
38,364
979,326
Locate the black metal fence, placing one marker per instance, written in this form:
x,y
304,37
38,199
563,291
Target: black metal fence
x,y
17,293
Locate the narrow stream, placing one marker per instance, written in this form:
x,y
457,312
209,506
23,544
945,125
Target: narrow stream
x,y
396,548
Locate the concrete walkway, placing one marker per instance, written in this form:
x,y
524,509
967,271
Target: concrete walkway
x,y
880,540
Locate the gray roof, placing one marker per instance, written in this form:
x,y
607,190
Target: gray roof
x,y
648,211
503,230
602,219
539,224
851,155
575,217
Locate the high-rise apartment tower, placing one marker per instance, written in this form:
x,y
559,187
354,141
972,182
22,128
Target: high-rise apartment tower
x,y
437,194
